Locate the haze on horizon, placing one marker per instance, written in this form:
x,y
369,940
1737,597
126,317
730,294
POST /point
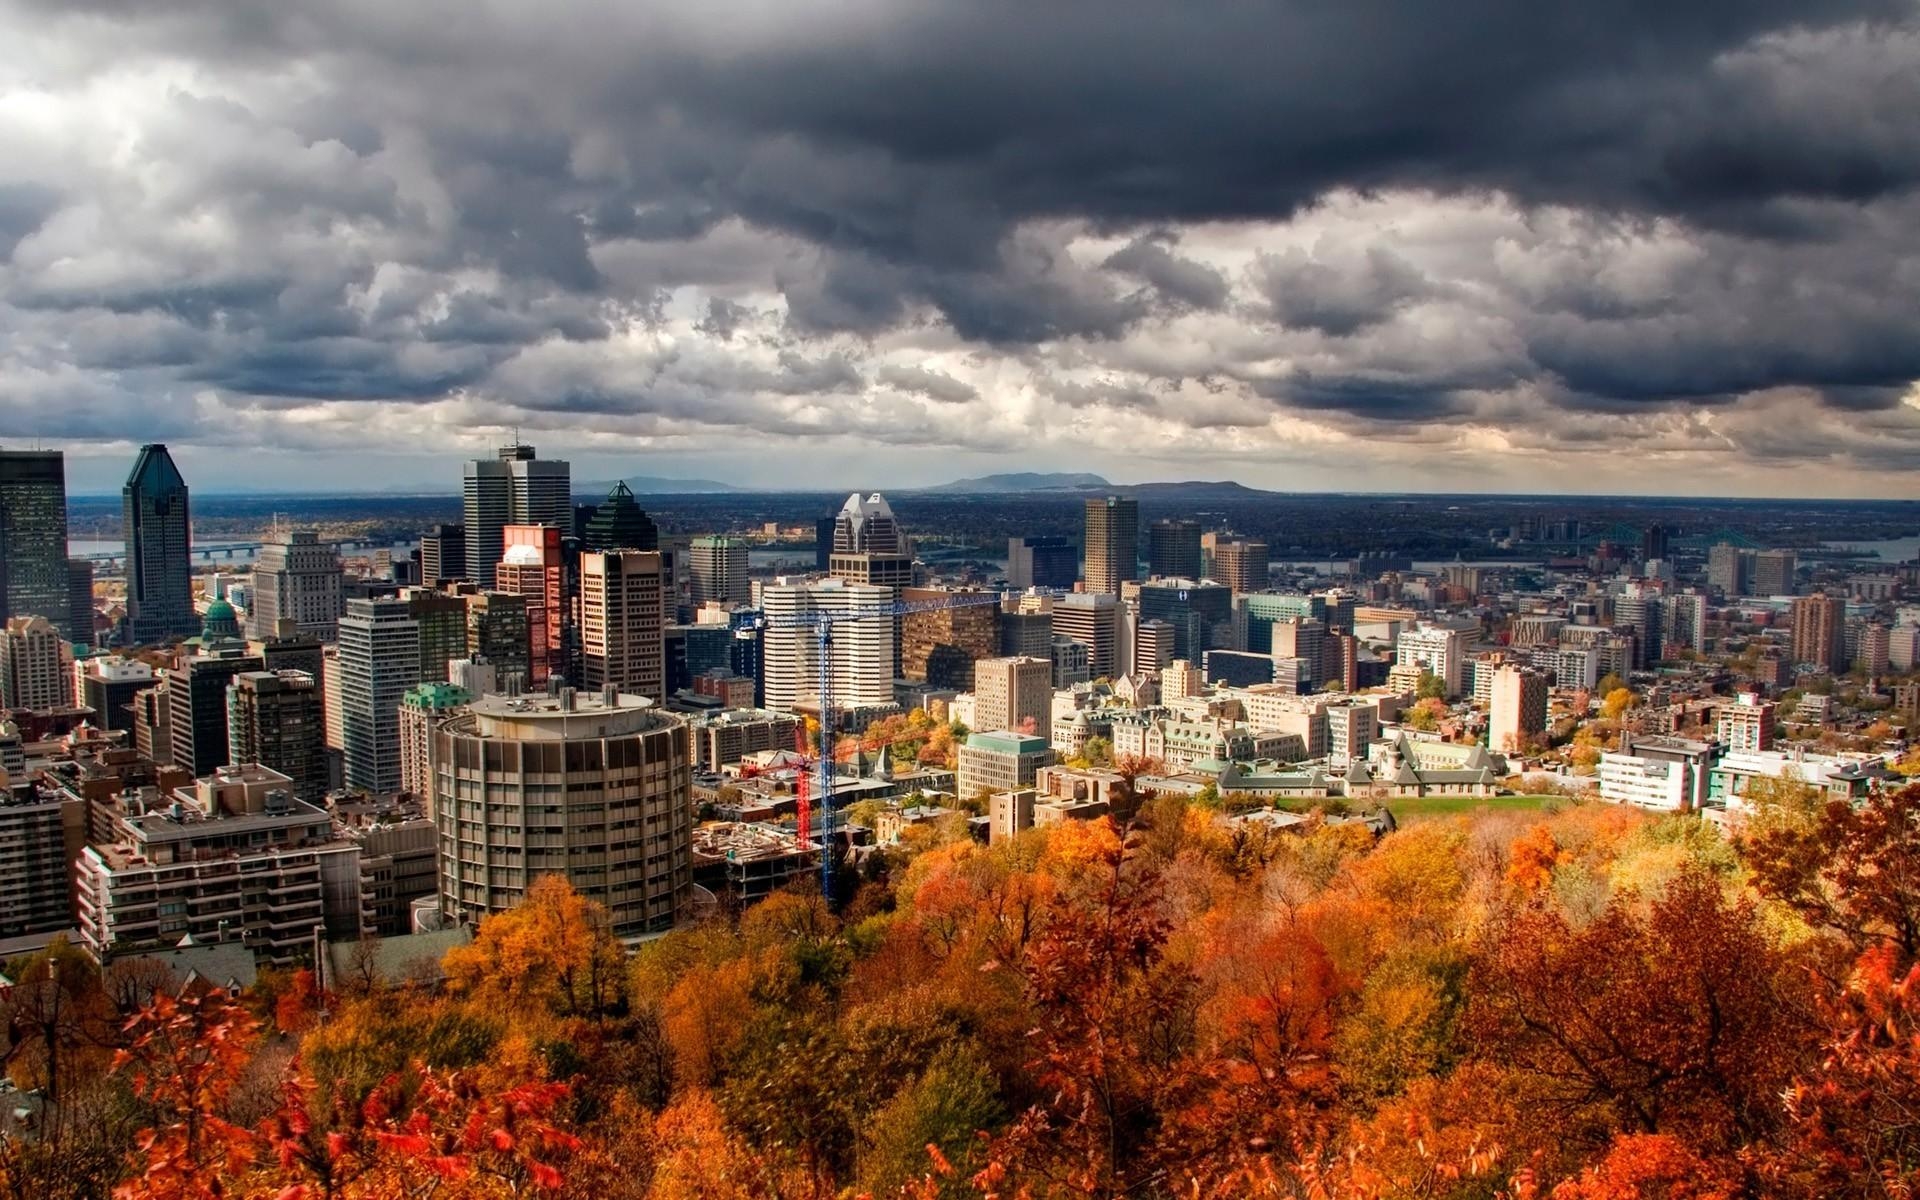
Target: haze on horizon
x,y
1380,246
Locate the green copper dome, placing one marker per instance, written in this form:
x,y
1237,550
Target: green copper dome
x,y
221,622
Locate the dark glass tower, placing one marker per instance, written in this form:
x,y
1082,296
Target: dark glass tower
x,y
159,550
620,524
33,538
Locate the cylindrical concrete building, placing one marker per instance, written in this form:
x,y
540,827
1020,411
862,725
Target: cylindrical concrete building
x,y
595,787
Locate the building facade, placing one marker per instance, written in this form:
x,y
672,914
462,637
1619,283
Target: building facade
x,y
33,671
861,650
624,598
1042,562
1518,713
1002,761
33,540
1013,693
159,535
1112,544
1820,632
277,719
718,567
1173,549
379,661
598,789
515,487
297,578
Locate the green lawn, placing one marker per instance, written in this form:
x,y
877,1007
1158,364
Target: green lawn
x,y
1419,808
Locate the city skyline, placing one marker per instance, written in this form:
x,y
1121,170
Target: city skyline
x,y
948,239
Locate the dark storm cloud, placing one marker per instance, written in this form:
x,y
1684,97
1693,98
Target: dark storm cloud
x,y
353,199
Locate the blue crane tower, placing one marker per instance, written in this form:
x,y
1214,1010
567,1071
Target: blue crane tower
x,y
823,623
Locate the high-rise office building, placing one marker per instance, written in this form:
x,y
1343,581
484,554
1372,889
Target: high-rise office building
x,y
1043,562
1519,709
197,702
534,566
1241,564
940,646
277,719
718,566
443,628
1173,549
597,788
33,539
379,661
1026,634
517,487
1014,693
80,612
1773,573
33,670
623,620
619,523
862,651
159,535
1153,645
1112,544
1874,652
498,630
868,544
1201,614
1093,620
296,578
1653,543
1728,569
108,685
1820,631
443,555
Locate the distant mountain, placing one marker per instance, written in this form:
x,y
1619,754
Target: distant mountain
x,y
655,485
1194,489
1024,481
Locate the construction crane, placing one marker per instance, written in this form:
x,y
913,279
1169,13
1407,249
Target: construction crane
x,y
819,796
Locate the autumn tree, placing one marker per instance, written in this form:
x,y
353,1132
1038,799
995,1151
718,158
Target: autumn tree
x,y
1852,871
1671,1020
555,948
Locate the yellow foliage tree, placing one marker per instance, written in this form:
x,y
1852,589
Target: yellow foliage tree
x,y
556,948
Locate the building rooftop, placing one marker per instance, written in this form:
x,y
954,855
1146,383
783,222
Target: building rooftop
x,y
567,716
1005,741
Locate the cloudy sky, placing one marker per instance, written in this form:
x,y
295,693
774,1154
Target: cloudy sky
x,y
1484,245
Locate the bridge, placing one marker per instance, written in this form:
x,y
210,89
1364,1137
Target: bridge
x,y
229,550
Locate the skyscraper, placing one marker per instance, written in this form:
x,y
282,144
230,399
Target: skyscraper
x,y
499,631
1112,543
1173,549
862,651
80,601
1047,562
1773,572
594,787
159,536
33,539
296,578
32,670
1820,631
869,545
1014,693
623,620
1093,620
443,555
719,569
1241,564
379,661
941,645
516,487
533,566
197,703
619,523
276,719
1728,569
